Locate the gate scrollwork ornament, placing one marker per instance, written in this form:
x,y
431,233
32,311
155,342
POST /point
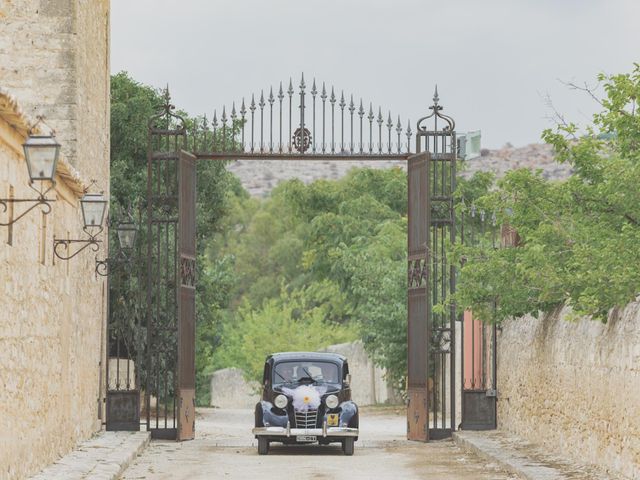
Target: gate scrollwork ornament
x,y
417,273
188,271
302,139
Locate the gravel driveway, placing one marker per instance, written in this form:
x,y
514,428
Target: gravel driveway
x,y
225,449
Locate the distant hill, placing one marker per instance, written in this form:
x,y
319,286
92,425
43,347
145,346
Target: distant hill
x,y
259,177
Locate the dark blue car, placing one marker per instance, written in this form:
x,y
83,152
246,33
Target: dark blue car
x,y
306,398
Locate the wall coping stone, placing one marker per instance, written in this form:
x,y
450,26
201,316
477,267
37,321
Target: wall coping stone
x,y
105,456
524,459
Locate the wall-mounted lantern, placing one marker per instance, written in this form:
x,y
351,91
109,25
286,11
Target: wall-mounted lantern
x,y
41,153
126,232
94,207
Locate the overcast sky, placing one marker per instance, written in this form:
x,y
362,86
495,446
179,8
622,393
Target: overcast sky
x,y
494,61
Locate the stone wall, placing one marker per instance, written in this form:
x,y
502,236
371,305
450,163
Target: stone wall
x,y
368,384
229,389
574,386
53,61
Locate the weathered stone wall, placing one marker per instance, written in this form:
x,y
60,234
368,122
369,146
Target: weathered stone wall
x,y
54,61
229,389
368,384
574,386
54,58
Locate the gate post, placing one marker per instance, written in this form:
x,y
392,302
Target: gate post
x,y
186,296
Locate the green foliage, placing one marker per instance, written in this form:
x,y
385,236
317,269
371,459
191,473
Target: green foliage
x,y
579,237
287,323
132,104
317,264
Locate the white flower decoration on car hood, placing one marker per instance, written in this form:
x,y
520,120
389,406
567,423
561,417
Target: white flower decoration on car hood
x,y
305,397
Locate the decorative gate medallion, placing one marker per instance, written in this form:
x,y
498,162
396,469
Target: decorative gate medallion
x,y
302,139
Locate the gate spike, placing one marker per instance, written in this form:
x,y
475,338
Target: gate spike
x,y
351,105
342,102
290,90
370,116
233,111
223,118
280,92
323,95
261,103
333,96
380,119
271,98
302,84
436,98
361,110
243,110
214,122
314,90
409,128
252,106
399,126
389,122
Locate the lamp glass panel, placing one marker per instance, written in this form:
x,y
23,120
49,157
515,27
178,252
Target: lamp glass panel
x,y
126,235
93,208
42,155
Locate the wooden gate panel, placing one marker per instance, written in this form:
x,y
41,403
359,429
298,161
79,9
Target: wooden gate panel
x,y
417,299
186,296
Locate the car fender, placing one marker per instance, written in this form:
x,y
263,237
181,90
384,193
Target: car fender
x,y
268,416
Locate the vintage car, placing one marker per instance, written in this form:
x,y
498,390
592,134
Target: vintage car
x,y
306,398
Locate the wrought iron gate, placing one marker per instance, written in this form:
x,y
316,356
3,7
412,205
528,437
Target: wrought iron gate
x,y
167,137
478,354
326,126
435,134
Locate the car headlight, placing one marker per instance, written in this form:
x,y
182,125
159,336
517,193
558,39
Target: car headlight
x,y
331,401
281,401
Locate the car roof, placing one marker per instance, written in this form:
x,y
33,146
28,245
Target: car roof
x,y
281,356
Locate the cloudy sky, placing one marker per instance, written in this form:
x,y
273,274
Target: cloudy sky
x,y
495,61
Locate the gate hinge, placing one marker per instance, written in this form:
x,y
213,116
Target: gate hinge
x,y
492,393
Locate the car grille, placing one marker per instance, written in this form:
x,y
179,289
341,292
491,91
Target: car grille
x,y
307,419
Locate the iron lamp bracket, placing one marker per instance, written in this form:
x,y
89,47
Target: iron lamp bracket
x,y
61,245
40,200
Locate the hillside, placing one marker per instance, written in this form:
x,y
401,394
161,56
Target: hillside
x,y
259,177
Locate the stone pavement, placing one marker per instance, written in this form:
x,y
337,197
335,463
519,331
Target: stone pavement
x,y
526,460
105,456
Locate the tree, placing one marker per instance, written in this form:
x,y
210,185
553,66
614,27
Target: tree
x,y
324,260
132,104
579,237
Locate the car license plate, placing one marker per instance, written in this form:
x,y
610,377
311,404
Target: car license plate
x,y
306,438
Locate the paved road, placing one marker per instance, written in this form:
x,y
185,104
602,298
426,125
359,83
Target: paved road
x,y
225,449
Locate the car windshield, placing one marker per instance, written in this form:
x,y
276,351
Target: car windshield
x,y
305,372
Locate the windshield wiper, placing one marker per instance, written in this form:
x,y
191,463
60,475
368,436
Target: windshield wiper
x,y
307,379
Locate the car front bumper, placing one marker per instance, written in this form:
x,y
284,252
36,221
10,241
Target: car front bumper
x,y
325,432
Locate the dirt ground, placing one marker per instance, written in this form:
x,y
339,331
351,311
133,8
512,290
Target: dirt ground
x,y
225,449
